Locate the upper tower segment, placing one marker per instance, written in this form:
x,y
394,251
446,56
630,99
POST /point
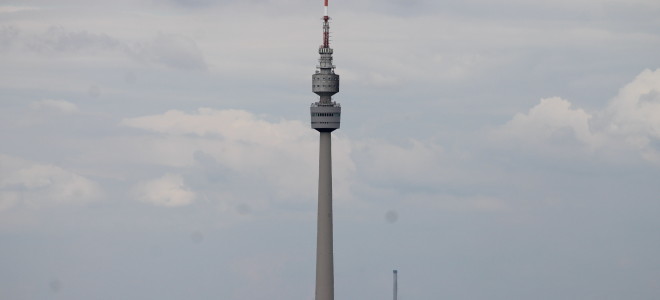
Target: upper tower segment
x,y
325,113
326,31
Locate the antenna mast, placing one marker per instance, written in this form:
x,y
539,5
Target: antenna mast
x,y
396,285
326,26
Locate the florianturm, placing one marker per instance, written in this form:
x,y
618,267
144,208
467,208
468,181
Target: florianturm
x,y
325,118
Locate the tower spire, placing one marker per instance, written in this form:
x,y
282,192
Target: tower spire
x,y
326,26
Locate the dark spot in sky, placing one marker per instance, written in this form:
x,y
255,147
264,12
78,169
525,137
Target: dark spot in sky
x,y
391,216
55,285
197,237
94,91
243,209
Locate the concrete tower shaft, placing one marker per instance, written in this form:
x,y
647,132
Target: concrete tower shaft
x,y
325,274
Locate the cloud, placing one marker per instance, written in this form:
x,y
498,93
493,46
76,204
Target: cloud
x,y
633,116
55,105
13,9
244,144
630,121
552,119
227,152
59,40
168,190
228,124
34,184
172,50
636,109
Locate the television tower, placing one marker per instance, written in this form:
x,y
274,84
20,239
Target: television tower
x,y
325,118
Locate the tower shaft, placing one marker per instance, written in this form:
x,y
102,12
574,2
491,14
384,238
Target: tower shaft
x,y
324,248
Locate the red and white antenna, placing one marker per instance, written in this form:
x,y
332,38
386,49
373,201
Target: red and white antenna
x,y
326,26
325,9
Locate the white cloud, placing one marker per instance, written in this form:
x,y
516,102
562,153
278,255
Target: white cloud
x,y
630,121
633,116
552,119
168,190
55,105
636,109
279,154
34,184
234,138
230,124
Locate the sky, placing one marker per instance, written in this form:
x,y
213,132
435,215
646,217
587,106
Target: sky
x,y
499,149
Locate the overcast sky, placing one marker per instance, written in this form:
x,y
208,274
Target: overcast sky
x,y
489,149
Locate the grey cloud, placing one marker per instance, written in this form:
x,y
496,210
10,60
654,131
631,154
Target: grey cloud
x,y
58,39
8,36
171,50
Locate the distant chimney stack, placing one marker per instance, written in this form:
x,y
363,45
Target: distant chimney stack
x,y
396,291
